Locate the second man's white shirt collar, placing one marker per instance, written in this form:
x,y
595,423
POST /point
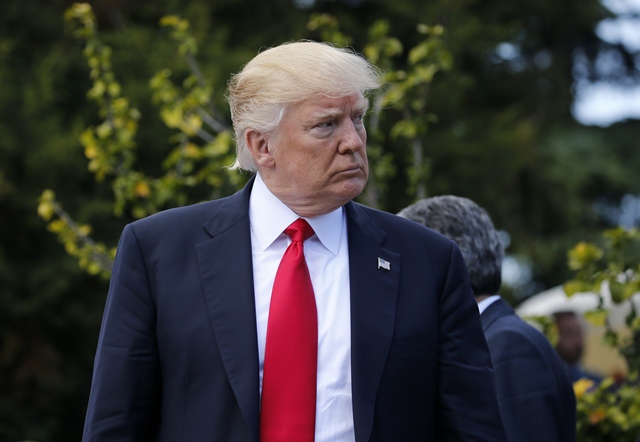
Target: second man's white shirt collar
x,y
482,305
269,217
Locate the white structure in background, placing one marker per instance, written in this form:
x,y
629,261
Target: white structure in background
x,y
598,357
554,300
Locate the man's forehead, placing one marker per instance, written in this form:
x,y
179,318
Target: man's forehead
x,y
340,105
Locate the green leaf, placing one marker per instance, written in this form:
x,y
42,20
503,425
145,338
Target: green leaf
x,y
574,286
584,254
617,291
597,317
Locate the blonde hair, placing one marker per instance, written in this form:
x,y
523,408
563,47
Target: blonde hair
x,y
287,74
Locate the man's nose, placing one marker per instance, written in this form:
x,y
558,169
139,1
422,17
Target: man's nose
x,y
353,137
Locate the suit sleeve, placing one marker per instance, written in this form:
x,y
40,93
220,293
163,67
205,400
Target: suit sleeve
x,y
467,401
123,404
526,387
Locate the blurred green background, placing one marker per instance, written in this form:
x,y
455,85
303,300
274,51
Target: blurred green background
x,y
504,133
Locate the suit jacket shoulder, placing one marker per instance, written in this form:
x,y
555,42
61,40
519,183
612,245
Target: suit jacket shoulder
x,y
224,212
535,394
400,233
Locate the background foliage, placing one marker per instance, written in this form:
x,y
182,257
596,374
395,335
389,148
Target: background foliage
x,y
610,267
491,122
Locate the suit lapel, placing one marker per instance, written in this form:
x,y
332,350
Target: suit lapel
x,y
226,273
374,291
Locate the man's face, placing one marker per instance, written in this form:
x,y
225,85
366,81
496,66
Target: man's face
x,y
319,154
570,339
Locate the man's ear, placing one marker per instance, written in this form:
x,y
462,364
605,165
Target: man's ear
x,y
261,150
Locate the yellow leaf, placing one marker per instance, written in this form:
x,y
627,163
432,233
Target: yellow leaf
x,y
114,89
46,210
191,151
87,137
597,416
191,125
104,130
97,90
583,254
93,268
84,229
172,117
81,8
56,226
581,386
91,151
70,247
597,317
48,195
574,286
169,20
142,189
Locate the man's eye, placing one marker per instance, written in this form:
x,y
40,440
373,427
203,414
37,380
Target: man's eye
x,y
326,124
359,118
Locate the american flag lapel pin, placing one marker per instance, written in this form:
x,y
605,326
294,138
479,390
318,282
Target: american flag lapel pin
x,y
384,264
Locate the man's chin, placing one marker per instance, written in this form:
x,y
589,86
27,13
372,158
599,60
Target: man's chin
x,y
351,190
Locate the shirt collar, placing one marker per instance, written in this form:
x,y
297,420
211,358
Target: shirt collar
x,y
269,217
486,302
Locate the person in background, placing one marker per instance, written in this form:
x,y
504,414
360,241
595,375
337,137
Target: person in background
x,y
287,312
537,401
570,345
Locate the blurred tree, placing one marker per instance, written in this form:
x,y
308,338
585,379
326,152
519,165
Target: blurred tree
x,y
43,357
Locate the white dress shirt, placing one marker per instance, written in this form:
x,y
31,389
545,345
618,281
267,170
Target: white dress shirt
x,y
327,257
486,302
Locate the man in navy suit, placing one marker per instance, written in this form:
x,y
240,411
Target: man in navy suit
x,y
400,350
536,397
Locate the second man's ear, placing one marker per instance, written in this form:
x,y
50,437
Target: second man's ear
x,y
261,150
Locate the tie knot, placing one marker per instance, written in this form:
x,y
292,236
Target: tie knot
x,y
299,230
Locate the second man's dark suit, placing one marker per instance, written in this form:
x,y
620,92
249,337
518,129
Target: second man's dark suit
x,y
536,397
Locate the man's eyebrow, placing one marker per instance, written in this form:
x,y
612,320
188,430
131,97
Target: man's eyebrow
x,y
360,107
326,113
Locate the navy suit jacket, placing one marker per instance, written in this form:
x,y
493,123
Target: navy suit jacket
x,y
536,397
177,356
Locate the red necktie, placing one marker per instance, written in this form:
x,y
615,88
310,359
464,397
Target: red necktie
x,y
288,411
